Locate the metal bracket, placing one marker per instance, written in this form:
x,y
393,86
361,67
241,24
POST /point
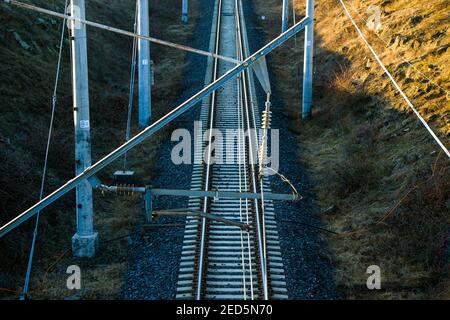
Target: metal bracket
x,y
218,194
215,194
150,130
95,182
148,193
148,204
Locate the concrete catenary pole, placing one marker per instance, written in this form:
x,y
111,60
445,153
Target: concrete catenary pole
x,y
185,11
308,61
145,103
285,16
85,241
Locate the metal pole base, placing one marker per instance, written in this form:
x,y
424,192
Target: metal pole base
x,y
306,115
85,246
185,18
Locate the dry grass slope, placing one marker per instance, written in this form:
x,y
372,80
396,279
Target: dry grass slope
x,y
28,53
367,153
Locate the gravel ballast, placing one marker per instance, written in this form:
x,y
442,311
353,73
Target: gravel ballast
x,y
154,258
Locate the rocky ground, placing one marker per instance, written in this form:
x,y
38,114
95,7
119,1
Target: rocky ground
x,y
366,153
306,258
28,54
154,256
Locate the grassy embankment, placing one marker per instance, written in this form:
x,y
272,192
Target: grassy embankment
x,y
28,55
368,155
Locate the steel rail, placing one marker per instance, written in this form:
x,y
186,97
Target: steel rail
x,y
251,95
248,104
200,261
150,130
394,82
243,172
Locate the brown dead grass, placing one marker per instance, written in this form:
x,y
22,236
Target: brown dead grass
x,y
27,80
366,152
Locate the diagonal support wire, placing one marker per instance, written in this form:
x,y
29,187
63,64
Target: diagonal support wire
x,y
396,85
26,284
120,31
150,130
131,90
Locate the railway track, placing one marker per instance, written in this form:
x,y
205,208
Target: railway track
x,y
221,261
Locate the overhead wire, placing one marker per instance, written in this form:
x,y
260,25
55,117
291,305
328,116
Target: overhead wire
x,y
259,209
26,285
54,102
240,200
241,160
246,187
120,31
131,91
238,105
394,82
402,59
